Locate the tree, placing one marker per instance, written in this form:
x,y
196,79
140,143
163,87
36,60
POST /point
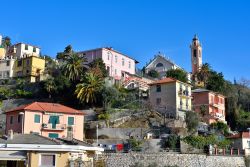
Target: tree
x,y
74,67
216,82
89,89
192,121
204,73
50,86
178,74
67,51
98,67
6,42
153,74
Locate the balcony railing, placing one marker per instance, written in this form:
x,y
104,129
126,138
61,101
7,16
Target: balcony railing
x,y
184,93
49,126
184,107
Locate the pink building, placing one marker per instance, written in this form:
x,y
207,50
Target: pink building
x,y
210,105
117,64
47,119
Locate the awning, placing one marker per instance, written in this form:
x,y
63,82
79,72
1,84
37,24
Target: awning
x,y
13,155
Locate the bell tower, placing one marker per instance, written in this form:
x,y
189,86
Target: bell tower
x,y
196,55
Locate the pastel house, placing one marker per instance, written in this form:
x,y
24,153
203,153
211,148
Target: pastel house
x,y
117,64
171,97
47,119
210,105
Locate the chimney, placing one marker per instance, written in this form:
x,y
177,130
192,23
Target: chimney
x,y
10,134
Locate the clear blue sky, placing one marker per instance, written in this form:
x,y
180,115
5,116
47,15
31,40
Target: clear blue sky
x,y
139,28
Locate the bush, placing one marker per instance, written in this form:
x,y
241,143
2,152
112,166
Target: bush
x,y
201,142
172,141
192,121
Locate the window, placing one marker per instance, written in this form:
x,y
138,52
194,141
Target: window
x,y
19,118
37,118
108,70
53,135
158,88
123,61
34,49
7,74
181,102
27,62
158,101
108,56
48,160
195,53
129,65
27,71
26,47
71,120
7,63
159,65
115,71
116,58
19,63
11,119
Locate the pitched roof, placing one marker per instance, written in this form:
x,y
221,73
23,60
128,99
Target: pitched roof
x,y
200,90
164,80
28,139
206,90
240,135
47,107
38,139
111,49
164,58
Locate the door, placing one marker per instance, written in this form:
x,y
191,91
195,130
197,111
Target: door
x,y
54,120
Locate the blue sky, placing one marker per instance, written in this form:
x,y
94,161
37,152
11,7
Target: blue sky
x,y
139,28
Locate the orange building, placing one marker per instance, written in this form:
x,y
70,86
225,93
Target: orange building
x,y
210,105
47,119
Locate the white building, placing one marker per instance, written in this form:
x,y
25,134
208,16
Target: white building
x,y
21,50
6,68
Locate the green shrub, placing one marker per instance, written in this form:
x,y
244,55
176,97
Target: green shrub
x,y
200,141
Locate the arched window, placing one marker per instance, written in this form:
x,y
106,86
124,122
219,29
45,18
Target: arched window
x,y
159,65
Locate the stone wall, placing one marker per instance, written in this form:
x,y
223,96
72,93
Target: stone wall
x,y
171,159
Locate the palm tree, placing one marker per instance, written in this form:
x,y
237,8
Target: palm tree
x,y
50,86
89,89
74,66
204,72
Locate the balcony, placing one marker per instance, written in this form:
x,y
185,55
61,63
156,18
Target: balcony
x,y
184,108
49,126
184,93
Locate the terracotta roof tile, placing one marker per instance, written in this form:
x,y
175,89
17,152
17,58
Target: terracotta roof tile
x,y
240,135
47,107
164,80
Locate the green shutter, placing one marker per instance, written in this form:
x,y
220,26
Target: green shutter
x,y
70,120
37,118
53,135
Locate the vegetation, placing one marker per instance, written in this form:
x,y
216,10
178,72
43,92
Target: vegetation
x,y
172,142
135,144
220,127
89,89
201,142
192,121
178,74
153,74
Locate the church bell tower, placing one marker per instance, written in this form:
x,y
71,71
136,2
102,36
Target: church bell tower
x,y
196,55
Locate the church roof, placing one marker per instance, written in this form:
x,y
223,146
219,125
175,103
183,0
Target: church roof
x,y
164,58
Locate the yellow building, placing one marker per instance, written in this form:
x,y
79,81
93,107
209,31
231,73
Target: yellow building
x,y
171,97
2,53
30,68
31,150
